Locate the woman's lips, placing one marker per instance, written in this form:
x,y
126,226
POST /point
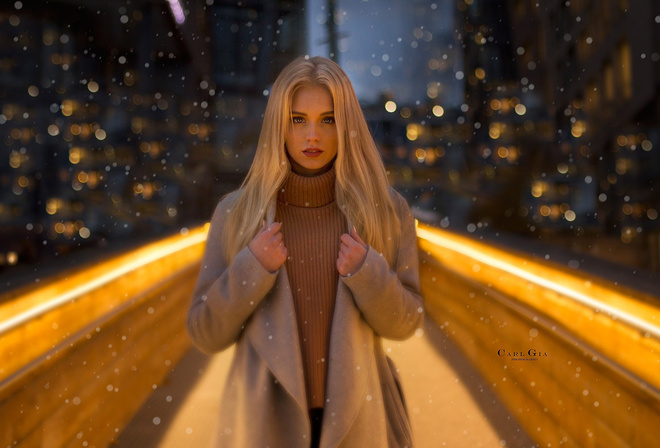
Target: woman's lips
x,y
312,152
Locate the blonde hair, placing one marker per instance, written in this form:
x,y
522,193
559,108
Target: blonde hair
x,y
361,186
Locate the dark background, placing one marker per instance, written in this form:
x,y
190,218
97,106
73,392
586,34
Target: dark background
x,y
534,124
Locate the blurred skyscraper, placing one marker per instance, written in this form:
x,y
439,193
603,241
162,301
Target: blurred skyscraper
x,y
95,96
597,65
122,120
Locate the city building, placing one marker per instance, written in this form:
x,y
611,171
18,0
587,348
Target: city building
x,y
598,66
119,120
510,129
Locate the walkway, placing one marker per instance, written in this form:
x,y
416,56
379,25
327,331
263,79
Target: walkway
x,y
449,403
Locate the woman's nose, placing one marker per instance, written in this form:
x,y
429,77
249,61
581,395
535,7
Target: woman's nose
x,y
312,134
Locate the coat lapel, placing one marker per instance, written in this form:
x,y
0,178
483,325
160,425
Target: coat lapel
x,y
274,334
273,331
351,345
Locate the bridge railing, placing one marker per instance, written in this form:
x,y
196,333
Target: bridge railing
x,y
575,358
79,355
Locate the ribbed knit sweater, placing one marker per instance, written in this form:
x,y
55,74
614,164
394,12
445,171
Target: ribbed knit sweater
x,y
311,227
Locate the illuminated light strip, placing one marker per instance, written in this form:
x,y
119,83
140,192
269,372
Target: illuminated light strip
x,y
177,10
71,295
498,264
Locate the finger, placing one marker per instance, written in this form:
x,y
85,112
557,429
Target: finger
x,y
274,227
347,240
356,237
281,256
341,262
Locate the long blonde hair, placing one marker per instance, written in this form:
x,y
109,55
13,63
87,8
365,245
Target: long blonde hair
x,y
361,186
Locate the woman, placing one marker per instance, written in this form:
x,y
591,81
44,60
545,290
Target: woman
x,y
307,266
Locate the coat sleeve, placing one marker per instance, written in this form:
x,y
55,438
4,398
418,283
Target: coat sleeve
x,y
390,299
225,295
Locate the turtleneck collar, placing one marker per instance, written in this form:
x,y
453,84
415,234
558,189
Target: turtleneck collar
x,y
312,191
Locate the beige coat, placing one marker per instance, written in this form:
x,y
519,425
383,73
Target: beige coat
x,y
264,402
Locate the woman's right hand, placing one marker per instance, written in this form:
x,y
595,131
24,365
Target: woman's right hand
x,y
268,248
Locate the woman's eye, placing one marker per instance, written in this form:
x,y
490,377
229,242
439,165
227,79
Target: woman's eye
x,y
329,120
297,119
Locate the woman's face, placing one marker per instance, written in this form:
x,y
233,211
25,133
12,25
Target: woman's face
x,y
311,137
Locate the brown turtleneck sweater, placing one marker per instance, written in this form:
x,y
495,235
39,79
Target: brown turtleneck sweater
x,y
311,227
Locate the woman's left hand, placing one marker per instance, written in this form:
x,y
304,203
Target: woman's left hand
x,y
352,252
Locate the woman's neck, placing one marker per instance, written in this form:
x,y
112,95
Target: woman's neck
x,y
308,191
306,172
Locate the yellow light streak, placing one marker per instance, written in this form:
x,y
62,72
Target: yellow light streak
x,y
72,294
585,299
